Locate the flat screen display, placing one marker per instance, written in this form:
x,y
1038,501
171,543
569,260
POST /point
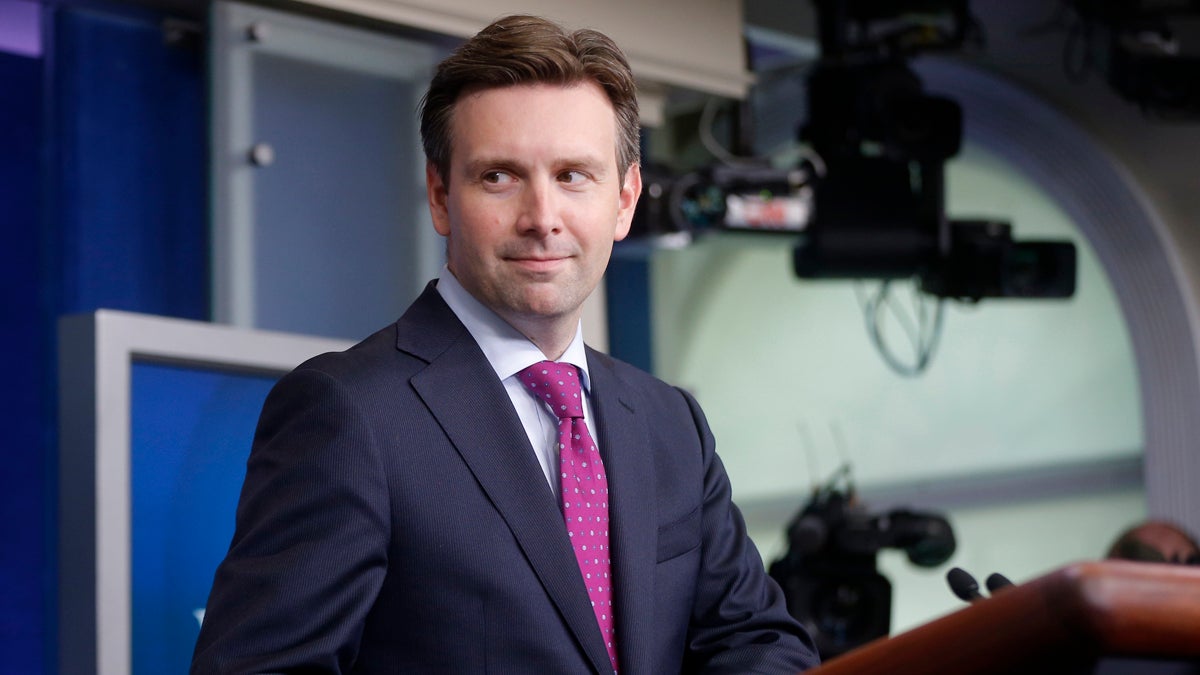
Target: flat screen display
x,y
191,430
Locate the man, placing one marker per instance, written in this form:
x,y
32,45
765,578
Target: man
x,y
1155,541
412,505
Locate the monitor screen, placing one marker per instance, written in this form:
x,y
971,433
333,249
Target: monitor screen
x,y
190,435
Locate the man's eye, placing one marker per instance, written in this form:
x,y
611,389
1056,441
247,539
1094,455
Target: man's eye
x,y
497,177
572,177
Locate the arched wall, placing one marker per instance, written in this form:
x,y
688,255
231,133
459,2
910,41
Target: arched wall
x,y
1131,242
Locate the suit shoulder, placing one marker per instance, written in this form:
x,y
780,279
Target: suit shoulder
x,y
372,358
634,378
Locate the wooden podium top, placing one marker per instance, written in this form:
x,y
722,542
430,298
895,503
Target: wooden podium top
x,y
1057,622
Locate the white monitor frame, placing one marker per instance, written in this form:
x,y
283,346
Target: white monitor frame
x,y
96,355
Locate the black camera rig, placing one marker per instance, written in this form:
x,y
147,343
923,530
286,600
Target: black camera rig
x,y
879,209
829,575
870,204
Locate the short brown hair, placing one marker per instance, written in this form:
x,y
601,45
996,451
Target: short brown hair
x,y
522,49
1156,541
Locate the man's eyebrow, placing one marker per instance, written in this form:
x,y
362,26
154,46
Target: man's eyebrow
x,y
481,163
591,162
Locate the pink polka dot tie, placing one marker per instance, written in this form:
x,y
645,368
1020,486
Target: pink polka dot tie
x,y
584,486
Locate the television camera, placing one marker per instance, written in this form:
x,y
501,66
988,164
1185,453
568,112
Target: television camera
x,y
1148,52
829,576
870,203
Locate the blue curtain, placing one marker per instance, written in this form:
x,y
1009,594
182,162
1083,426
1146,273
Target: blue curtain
x,y
22,490
127,175
102,187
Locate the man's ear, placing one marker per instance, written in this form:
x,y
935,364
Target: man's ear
x,y
631,189
438,196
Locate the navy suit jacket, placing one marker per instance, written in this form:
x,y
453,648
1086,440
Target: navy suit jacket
x,y
394,519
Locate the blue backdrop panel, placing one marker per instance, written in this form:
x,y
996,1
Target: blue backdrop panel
x,y
128,184
113,148
627,287
191,434
23,398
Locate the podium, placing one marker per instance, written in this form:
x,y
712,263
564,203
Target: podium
x,y
1063,622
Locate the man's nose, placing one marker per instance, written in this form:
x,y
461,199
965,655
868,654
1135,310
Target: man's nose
x,y
539,208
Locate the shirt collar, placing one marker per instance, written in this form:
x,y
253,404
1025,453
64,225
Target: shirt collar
x,y
507,350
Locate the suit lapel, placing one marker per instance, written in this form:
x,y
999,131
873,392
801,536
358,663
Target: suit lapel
x,y
461,391
628,462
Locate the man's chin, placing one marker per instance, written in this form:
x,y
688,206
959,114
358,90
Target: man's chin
x,y
544,306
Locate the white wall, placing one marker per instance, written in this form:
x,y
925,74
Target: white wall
x,y
783,365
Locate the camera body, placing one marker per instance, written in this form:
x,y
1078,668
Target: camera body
x,y
879,209
829,575
1148,51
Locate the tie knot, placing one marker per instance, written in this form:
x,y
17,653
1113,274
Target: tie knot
x,y
557,385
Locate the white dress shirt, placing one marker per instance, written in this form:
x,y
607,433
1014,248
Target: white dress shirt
x,y
510,352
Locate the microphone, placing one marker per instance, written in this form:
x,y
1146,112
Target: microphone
x,y
963,585
996,582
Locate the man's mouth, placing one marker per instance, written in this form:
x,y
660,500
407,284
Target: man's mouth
x,y
539,263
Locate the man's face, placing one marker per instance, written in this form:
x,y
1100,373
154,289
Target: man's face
x,y
533,200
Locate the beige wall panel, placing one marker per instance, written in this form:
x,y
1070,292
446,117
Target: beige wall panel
x,y
695,44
